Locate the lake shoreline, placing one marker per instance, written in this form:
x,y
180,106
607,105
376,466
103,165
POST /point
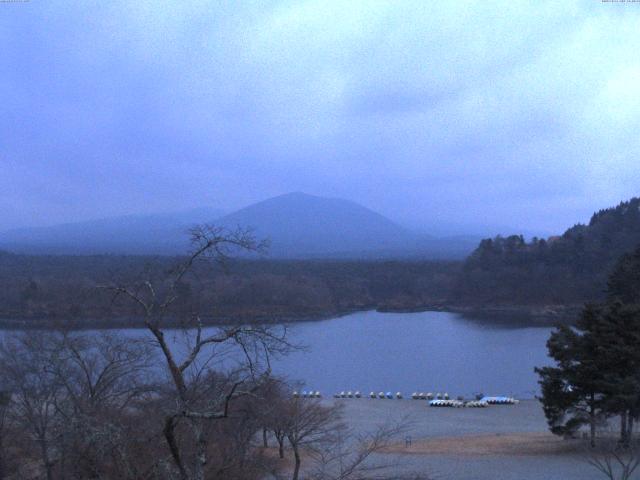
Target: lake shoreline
x,y
511,315
494,443
529,315
426,352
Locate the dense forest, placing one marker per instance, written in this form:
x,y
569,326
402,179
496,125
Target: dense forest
x,y
544,276
37,289
563,270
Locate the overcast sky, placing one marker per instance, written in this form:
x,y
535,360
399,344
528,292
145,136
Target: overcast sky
x,y
517,114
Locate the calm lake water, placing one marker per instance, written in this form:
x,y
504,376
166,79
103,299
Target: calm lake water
x,y
407,352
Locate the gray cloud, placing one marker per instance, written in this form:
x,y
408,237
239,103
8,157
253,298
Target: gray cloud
x,y
522,114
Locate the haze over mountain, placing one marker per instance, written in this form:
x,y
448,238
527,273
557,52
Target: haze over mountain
x,y
297,225
161,233
302,225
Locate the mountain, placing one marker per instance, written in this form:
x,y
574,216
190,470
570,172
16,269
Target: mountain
x,y
297,225
162,233
301,225
567,269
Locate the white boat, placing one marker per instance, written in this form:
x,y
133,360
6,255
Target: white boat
x,y
446,403
499,400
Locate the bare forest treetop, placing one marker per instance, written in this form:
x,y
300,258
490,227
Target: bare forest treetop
x,y
200,393
171,403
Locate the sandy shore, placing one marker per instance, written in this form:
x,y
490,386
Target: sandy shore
x,y
490,444
494,443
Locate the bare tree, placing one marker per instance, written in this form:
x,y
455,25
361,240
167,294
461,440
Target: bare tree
x,y
5,400
272,412
72,394
350,456
278,424
309,426
102,375
236,455
35,391
613,459
103,370
193,401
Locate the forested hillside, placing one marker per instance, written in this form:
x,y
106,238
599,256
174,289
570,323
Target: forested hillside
x,y
570,269
504,274
35,289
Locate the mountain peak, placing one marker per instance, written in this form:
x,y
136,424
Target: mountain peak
x,y
303,197
297,224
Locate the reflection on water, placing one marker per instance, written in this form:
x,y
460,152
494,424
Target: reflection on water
x,y
428,351
407,352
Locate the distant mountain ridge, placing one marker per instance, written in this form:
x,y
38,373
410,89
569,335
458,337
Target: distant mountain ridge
x,y
298,225
302,225
162,233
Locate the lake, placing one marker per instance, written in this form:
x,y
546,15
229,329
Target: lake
x,y
407,352
425,351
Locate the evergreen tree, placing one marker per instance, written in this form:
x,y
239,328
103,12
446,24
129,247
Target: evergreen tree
x,y
598,361
619,338
572,391
624,282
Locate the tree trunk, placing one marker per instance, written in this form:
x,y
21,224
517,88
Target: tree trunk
x,y
630,428
169,435
280,446
592,422
201,451
48,464
624,439
296,469
64,448
265,444
1,452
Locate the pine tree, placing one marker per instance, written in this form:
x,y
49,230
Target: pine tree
x,y
572,391
619,338
624,282
597,371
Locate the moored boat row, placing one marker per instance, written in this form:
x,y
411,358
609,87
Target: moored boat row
x,y
307,394
500,400
429,396
437,400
